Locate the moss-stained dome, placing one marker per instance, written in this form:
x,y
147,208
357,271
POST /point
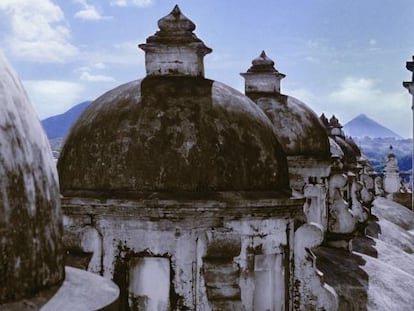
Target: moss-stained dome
x,y
172,134
31,256
297,127
172,131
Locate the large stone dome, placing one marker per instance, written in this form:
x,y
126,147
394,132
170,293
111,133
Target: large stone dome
x,y
172,131
31,254
163,134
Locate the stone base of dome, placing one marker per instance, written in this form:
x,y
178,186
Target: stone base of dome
x,y
187,204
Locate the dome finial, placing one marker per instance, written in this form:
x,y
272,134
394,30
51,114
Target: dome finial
x,y
324,120
262,64
335,128
176,11
391,152
334,122
176,22
262,76
175,50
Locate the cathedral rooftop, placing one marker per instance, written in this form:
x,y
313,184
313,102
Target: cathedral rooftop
x,y
174,130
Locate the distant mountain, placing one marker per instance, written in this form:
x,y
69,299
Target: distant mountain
x,y
59,125
363,126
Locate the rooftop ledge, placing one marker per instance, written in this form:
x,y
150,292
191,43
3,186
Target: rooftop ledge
x,y
171,205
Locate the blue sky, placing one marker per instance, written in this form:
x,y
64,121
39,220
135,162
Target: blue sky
x,y
342,57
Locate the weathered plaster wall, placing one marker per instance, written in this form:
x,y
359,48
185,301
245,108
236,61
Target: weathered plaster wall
x,y
217,258
301,168
311,292
178,60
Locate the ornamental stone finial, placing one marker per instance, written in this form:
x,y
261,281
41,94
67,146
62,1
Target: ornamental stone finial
x,y
175,50
176,22
262,76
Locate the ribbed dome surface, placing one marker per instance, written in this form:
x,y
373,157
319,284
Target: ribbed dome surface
x,y
31,256
172,134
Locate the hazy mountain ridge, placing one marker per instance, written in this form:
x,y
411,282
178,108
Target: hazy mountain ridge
x,y
59,125
375,140
376,149
363,126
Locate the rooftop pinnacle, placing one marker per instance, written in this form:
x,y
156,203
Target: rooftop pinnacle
x,y
174,50
334,122
262,76
262,64
176,22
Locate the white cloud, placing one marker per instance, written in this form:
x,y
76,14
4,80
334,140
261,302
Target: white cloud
x,y
356,95
89,12
390,108
312,59
123,53
124,3
87,76
302,94
51,97
356,90
38,31
373,46
99,66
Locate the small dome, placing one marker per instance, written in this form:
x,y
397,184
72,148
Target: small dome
x,y
31,255
350,154
297,127
354,146
172,134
